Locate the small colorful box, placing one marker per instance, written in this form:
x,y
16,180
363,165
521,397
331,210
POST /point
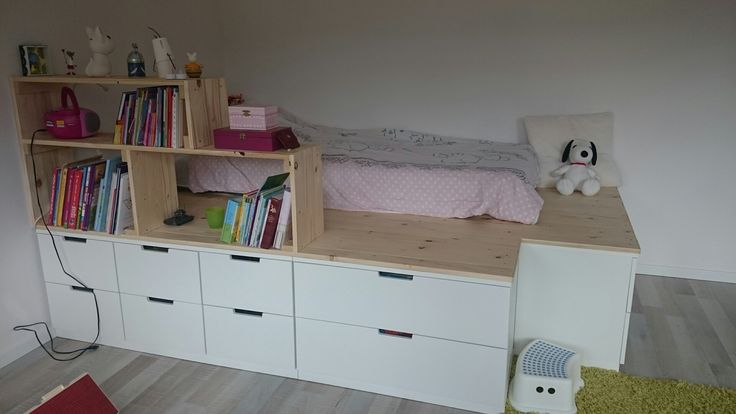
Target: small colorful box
x,y
249,140
258,118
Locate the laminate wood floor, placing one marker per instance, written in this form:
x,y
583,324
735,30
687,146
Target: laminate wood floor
x,y
679,329
683,329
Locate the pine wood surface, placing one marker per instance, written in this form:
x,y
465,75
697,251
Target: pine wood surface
x,y
103,141
103,80
478,247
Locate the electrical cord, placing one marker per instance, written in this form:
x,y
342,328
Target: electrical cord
x,y
29,327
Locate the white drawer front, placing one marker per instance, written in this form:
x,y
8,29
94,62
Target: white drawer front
x,y
160,272
237,281
173,329
73,314
249,340
427,369
460,311
92,261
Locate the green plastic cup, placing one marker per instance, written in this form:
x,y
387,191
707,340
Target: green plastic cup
x,y
215,217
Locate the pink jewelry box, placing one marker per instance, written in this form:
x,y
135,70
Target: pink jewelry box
x,y
248,140
258,118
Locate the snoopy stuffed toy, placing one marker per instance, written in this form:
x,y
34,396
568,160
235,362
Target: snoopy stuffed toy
x,y
578,173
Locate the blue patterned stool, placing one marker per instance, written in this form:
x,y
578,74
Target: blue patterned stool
x,y
546,379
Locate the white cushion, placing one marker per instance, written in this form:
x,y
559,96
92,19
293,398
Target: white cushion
x,y
549,135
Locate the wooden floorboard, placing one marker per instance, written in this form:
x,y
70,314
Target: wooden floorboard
x,y
683,329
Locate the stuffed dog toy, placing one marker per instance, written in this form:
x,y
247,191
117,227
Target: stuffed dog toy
x,y
578,174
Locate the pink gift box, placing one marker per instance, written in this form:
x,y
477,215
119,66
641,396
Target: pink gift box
x,y
258,118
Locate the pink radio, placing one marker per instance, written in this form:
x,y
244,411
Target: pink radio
x,y
74,122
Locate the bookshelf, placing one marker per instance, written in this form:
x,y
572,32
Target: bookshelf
x,y
153,183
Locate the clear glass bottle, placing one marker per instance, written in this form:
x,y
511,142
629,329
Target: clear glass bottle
x,y
136,65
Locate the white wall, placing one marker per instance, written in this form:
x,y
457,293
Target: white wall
x,y
189,28
666,68
467,68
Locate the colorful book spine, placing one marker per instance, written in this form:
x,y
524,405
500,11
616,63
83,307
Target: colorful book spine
x,y
112,200
272,219
52,199
62,197
73,208
98,172
227,226
284,219
101,220
86,201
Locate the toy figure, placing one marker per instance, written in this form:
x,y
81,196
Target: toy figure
x,y
577,173
69,60
101,45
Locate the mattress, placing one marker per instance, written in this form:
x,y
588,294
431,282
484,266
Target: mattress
x,y
397,170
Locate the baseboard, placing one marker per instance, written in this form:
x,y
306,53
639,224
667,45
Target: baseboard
x,y
686,273
18,351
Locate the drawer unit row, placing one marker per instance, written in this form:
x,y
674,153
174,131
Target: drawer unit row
x,y
415,336
234,337
235,281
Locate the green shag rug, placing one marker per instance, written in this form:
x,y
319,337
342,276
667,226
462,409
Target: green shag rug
x,y
607,391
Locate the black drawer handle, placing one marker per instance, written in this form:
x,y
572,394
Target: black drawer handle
x,y
159,300
400,334
248,312
245,258
75,239
82,289
156,249
396,275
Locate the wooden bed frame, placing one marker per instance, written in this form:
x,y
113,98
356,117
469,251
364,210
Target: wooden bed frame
x,y
418,307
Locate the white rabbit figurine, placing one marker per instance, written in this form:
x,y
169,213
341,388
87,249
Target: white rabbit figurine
x,y
101,45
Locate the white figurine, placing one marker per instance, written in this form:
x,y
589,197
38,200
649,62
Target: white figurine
x,y
578,174
101,45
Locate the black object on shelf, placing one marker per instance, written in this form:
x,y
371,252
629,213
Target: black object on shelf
x,y
180,217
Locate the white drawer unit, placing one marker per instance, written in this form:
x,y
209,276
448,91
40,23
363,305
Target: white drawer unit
x,y
149,270
438,371
469,312
91,261
163,326
251,340
248,282
73,314
575,297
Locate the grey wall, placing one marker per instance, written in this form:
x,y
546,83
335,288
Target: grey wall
x,y
189,27
666,68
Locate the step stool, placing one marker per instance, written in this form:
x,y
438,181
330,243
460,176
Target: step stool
x,y
546,379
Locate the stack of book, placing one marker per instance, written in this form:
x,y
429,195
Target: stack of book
x,y
261,217
150,117
91,194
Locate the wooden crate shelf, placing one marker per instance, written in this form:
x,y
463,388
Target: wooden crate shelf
x,y
153,183
103,141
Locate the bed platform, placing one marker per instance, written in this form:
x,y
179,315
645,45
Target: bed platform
x,y
475,248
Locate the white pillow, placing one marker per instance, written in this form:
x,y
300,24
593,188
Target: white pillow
x,y
549,135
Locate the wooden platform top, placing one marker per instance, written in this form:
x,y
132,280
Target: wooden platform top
x,y
102,80
478,247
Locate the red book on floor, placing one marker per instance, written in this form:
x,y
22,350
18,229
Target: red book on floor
x,y
82,396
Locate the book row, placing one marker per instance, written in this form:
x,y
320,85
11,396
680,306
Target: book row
x,y
150,117
91,194
261,217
